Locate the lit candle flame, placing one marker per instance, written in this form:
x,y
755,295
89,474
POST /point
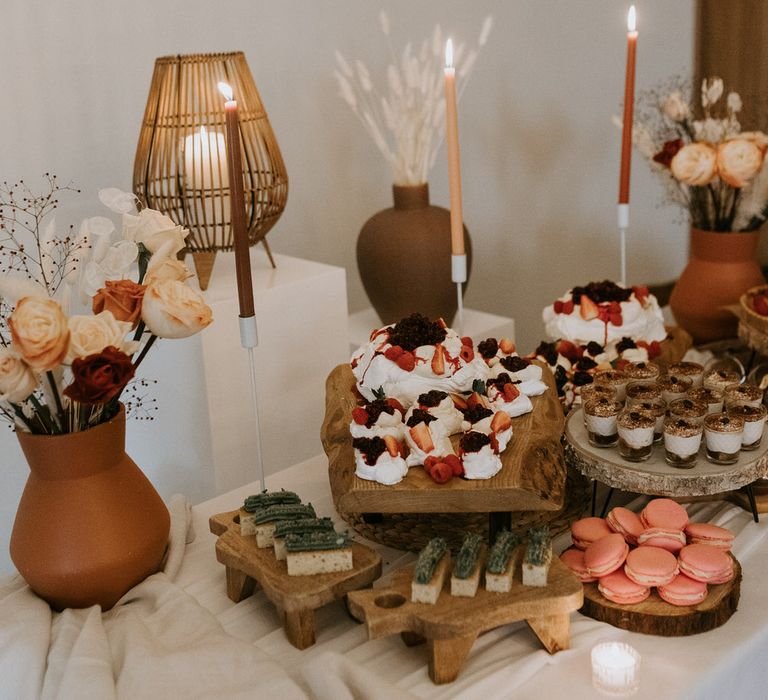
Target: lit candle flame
x,y
632,19
449,53
226,90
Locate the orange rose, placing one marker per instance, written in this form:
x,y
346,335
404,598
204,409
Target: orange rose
x,y
738,161
123,298
40,332
695,164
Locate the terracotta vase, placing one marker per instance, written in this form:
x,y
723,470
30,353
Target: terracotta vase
x,y
404,257
89,524
721,267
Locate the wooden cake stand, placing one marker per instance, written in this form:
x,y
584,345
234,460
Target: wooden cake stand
x,y
532,477
451,626
656,477
295,597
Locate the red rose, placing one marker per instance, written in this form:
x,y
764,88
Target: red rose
x,y
123,298
100,377
668,152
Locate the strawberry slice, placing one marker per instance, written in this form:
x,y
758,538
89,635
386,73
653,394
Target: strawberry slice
x,y
406,361
455,464
567,349
474,399
621,364
616,319
442,323
422,437
511,392
360,415
494,443
507,346
393,352
641,293
654,349
393,446
589,309
441,473
466,340
568,307
459,402
501,421
438,361
467,353
615,307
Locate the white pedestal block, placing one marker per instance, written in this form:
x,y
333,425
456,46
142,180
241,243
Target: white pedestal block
x,y
301,312
477,324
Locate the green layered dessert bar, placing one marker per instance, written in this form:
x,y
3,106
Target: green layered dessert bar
x,y
538,556
269,498
468,566
313,553
262,523
430,572
297,527
502,562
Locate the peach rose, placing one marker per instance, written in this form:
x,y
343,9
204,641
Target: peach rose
x,y
39,332
171,309
89,335
17,380
737,161
122,298
166,269
695,164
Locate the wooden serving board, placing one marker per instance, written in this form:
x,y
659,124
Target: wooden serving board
x,y
656,616
532,477
295,597
451,626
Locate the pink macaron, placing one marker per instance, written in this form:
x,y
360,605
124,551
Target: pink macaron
x,y
683,590
606,555
626,523
671,540
588,530
713,535
706,564
619,588
664,512
573,558
651,566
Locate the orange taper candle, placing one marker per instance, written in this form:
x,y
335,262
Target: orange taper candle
x,y
454,161
629,104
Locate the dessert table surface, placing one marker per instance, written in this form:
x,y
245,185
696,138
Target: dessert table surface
x,y
177,634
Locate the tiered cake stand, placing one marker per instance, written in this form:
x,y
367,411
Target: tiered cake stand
x,y
656,477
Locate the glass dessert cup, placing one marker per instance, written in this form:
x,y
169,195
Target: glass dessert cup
x,y
690,370
673,387
658,409
682,440
636,430
614,378
713,398
688,408
642,392
600,419
723,435
721,378
744,394
754,424
643,372
594,391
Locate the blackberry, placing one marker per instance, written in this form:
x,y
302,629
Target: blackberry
x,y
372,448
594,348
582,378
514,363
416,330
625,344
475,414
561,379
488,348
499,381
375,408
548,351
431,398
473,441
420,416
600,292
585,363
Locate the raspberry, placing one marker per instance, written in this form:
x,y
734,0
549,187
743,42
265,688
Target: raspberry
x,y
441,473
455,464
558,307
568,307
430,462
616,319
467,353
360,415
393,352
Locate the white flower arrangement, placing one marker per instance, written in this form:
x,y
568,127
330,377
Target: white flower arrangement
x,y
407,119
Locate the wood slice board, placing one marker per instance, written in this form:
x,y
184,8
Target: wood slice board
x,y
532,476
656,616
295,597
654,476
451,626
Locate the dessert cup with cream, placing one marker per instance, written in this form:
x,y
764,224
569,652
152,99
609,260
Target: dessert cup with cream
x,y
642,372
682,440
723,435
745,394
614,378
721,378
688,408
710,396
674,387
658,409
640,392
600,417
636,430
690,370
754,424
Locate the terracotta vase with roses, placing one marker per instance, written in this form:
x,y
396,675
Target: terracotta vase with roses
x,y
89,525
718,173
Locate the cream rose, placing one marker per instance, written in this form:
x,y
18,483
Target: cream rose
x,y
738,161
89,335
39,332
757,137
153,229
695,164
166,269
17,380
171,309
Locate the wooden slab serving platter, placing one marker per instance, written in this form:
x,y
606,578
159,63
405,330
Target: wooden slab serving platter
x,y
532,477
451,626
295,597
656,616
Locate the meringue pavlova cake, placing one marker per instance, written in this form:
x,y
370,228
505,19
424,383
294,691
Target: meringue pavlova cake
x,y
414,356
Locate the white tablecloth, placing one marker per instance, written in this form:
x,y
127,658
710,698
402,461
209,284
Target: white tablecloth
x,y
184,627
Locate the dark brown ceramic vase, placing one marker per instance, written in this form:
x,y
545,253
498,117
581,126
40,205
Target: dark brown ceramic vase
x,y
404,257
721,267
90,525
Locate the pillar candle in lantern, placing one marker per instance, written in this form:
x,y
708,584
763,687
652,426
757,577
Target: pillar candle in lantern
x,y
205,163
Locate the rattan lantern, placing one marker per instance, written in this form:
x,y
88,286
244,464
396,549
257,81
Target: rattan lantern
x,y
181,162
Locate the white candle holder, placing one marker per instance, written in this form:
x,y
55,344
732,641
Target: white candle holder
x,y
615,667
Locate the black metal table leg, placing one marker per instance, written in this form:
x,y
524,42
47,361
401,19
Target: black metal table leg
x,y
751,360
496,523
594,496
607,501
752,503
